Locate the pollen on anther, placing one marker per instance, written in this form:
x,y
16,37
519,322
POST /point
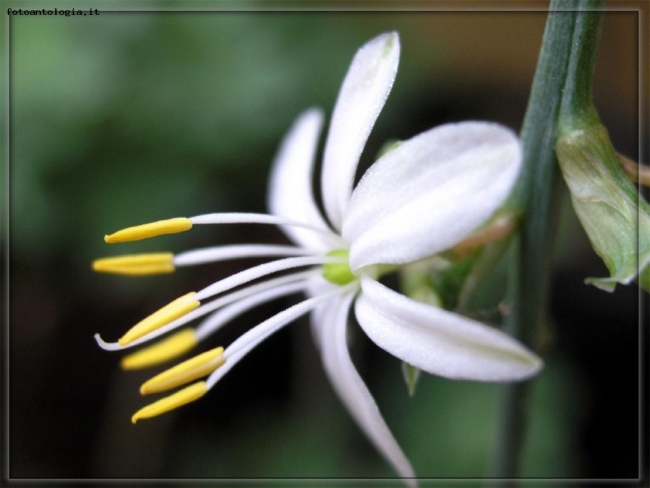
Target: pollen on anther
x,y
168,348
136,264
165,315
171,402
153,229
190,370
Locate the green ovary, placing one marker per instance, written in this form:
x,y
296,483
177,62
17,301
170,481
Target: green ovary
x,y
338,273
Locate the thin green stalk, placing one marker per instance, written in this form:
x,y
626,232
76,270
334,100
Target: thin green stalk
x,y
536,199
577,106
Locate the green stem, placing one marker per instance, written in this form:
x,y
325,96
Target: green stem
x,y
535,199
577,106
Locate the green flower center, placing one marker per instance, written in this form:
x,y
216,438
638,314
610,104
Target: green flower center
x,y
338,273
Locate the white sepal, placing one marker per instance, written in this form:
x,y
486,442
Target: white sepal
x,y
440,342
353,391
430,192
363,94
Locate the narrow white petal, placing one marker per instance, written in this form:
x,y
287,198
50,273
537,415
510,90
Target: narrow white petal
x,y
363,94
440,342
209,307
353,391
259,271
322,314
291,182
248,341
224,253
253,218
430,192
226,314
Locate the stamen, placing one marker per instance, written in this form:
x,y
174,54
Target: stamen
x,y
178,399
153,229
221,317
249,340
174,310
169,348
190,370
207,308
223,253
253,218
262,270
136,264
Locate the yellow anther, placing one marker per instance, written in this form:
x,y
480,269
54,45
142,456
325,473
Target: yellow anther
x,y
145,231
165,315
169,348
136,264
178,399
190,370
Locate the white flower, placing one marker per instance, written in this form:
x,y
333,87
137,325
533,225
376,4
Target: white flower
x,y
423,197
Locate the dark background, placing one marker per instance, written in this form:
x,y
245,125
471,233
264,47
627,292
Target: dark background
x,y
130,117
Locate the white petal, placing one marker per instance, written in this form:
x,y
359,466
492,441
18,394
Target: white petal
x,y
322,314
317,318
362,96
440,342
430,192
353,391
291,181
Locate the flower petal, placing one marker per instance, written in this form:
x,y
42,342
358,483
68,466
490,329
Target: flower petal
x,y
362,96
291,181
353,391
323,314
430,192
438,341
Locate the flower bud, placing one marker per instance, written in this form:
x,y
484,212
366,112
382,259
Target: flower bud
x,y
614,216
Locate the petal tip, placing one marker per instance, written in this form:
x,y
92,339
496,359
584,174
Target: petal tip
x,y
390,40
536,365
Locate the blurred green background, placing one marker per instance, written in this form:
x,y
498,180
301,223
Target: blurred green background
x,y
133,116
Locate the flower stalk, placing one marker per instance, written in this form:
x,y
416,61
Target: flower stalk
x,y
536,198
